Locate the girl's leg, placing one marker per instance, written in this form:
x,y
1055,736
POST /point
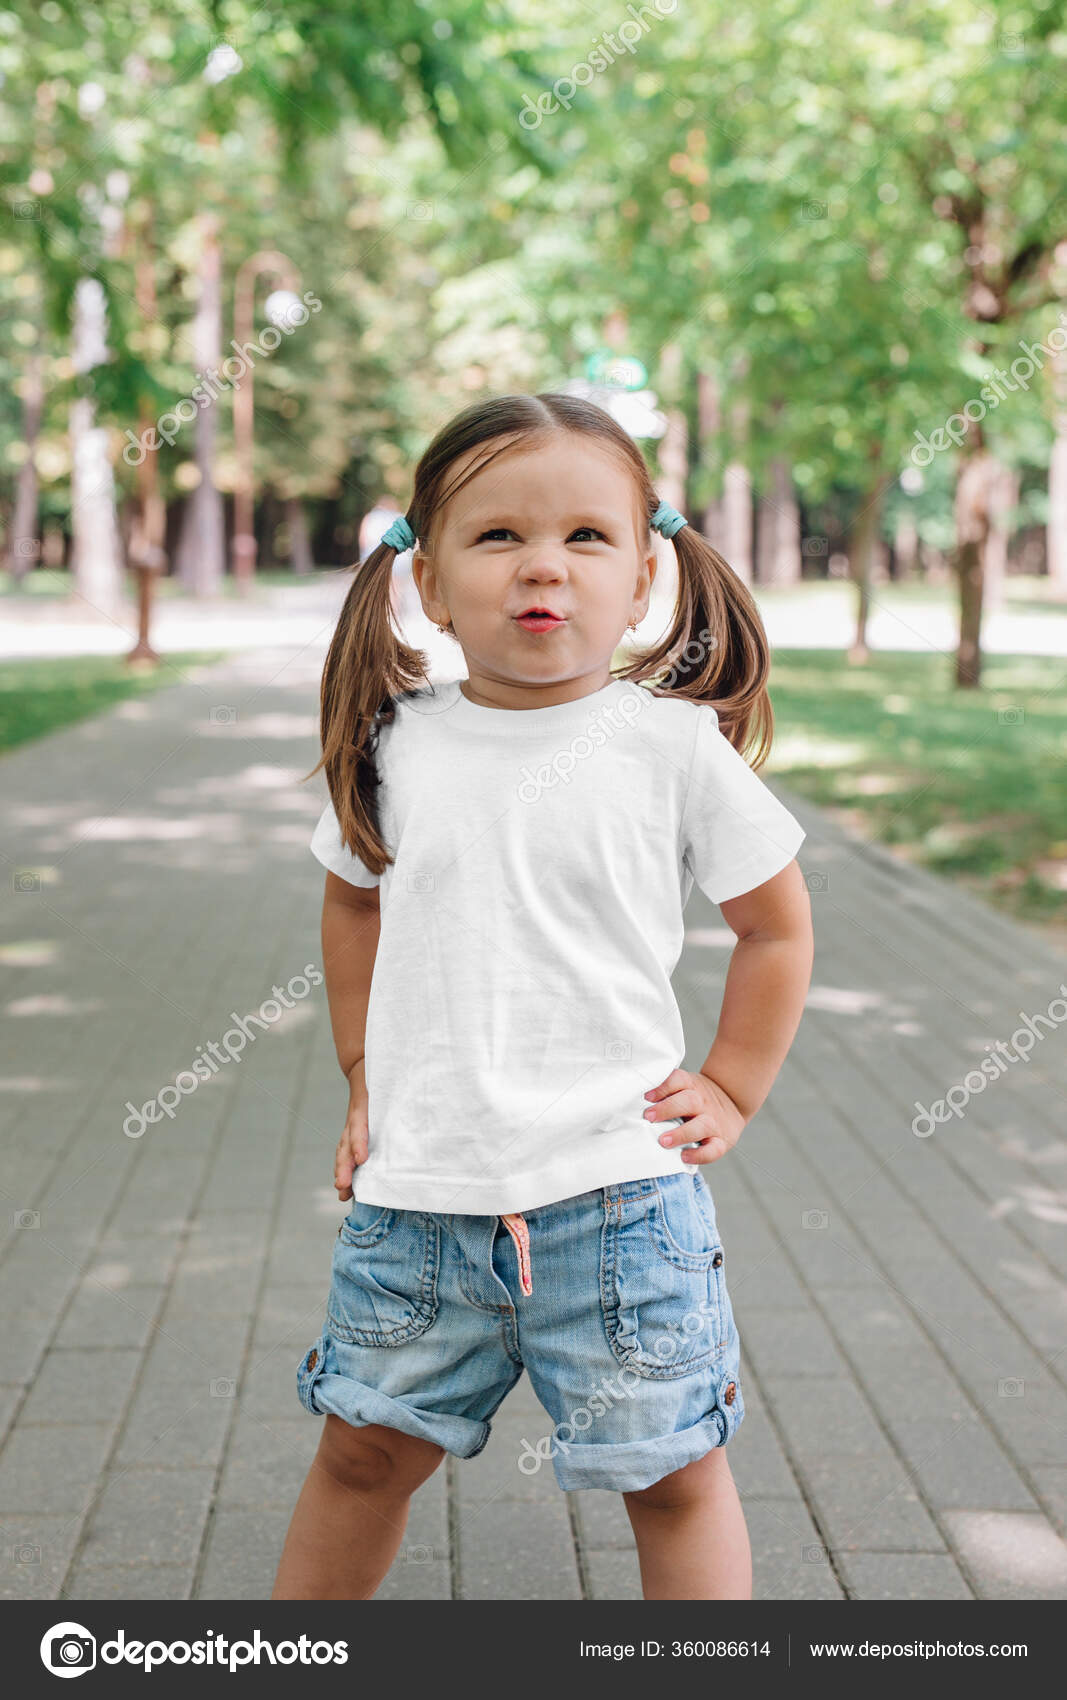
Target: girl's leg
x,y
691,1536
352,1511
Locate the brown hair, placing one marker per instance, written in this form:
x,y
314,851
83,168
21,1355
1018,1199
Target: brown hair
x,y
715,650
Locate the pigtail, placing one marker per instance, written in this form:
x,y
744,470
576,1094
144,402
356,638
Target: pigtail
x,y
715,650
367,666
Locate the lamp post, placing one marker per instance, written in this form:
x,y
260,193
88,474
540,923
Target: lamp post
x,y
244,291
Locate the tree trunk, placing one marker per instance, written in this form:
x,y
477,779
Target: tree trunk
x,y
905,548
202,549
737,520
709,418
778,552
1004,497
938,565
862,539
974,487
147,552
674,475
96,553
674,444
25,546
1057,480
299,538
986,303
737,528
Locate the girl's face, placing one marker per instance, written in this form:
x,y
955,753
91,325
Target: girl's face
x,y
554,528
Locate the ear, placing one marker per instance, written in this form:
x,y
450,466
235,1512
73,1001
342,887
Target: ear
x,y
425,577
645,578
420,564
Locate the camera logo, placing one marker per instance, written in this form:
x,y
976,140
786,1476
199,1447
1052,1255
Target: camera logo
x,y
68,1649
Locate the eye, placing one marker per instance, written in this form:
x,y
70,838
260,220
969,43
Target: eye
x,y
591,530
496,531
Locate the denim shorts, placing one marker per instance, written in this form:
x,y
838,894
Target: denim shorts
x,y
615,1301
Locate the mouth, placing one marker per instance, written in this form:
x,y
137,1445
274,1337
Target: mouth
x,y
539,620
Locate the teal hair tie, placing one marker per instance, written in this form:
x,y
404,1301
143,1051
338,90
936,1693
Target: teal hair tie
x,y
399,536
667,520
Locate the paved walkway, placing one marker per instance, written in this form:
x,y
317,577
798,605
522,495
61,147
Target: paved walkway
x,y
901,1300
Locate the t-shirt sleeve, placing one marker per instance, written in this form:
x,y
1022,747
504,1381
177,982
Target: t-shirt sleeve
x,y
327,846
735,832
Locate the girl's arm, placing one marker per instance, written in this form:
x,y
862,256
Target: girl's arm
x,y
766,984
351,926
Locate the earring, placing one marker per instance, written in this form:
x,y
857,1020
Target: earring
x,y
633,625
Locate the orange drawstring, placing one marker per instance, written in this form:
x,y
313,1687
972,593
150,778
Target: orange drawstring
x,y
520,1233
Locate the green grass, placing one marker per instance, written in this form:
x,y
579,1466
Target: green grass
x,y
55,584
1023,594
38,696
972,784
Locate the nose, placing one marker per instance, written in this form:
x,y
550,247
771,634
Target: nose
x,y
544,564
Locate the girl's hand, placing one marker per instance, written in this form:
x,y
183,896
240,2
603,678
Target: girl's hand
x,y
352,1147
711,1116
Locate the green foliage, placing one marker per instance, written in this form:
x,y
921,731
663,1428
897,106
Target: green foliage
x,y
287,121
791,207
41,696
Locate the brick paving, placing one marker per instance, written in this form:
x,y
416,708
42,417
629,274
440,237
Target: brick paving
x,y
901,1300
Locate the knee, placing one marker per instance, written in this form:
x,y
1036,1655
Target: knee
x,y
376,1459
658,1496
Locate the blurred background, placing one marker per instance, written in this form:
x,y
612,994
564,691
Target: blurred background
x,y
253,256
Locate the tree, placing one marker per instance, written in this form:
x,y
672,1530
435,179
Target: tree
x,y
169,99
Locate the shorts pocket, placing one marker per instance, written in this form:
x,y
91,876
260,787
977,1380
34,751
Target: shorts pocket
x,y
383,1287
661,1278
682,1222
366,1224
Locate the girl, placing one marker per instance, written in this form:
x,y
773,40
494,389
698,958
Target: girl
x,y
522,1146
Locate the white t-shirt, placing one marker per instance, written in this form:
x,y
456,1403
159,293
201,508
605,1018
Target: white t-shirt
x,y
521,1000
